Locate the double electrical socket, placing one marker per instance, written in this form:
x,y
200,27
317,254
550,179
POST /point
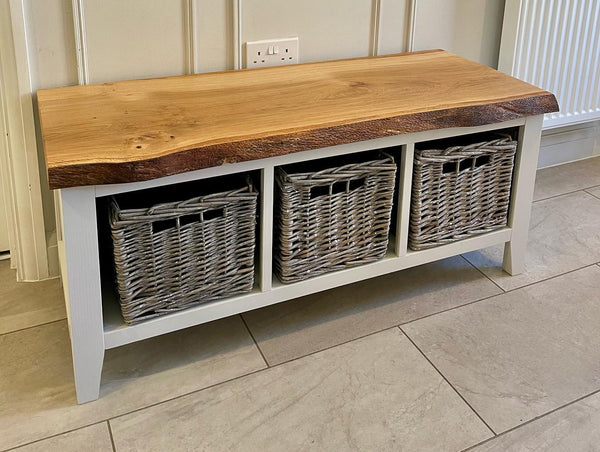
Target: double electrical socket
x,y
272,52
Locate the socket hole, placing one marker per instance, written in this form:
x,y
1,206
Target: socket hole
x,y
258,53
138,147
172,136
283,58
289,58
263,61
255,61
286,50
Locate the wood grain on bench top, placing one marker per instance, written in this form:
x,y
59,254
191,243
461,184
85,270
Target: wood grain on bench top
x,y
144,129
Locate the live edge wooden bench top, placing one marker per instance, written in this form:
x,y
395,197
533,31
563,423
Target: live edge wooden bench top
x,y
144,129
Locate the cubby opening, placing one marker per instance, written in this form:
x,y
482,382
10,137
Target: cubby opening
x,y
461,187
321,217
179,217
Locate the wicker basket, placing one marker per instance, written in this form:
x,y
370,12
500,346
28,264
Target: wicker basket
x,y
460,191
175,255
332,219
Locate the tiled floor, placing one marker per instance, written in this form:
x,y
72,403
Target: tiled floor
x,y
445,357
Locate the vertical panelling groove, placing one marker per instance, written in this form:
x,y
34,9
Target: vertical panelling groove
x,y
412,20
237,34
191,36
83,77
376,20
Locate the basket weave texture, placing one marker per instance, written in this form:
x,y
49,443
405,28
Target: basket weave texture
x,y
460,191
176,255
332,219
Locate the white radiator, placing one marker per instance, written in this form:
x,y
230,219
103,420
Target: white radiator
x,y
555,44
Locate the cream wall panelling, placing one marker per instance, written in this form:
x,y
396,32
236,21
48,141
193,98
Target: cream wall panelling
x,y
7,212
134,39
470,28
326,30
29,254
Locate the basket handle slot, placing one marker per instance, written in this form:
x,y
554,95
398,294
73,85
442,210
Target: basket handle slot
x,y
482,160
449,167
356,183
163,225
212,214
189,219
339,187
465,164
319,190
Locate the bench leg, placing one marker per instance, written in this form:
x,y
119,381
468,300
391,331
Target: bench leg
x,y
526,161
80,270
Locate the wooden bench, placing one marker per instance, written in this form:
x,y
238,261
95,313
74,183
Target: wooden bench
x,y
113,138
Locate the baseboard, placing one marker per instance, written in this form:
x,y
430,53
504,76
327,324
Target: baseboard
x,y
568,144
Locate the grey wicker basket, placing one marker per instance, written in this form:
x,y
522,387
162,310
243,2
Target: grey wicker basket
x,y
332,219
460,191
175,255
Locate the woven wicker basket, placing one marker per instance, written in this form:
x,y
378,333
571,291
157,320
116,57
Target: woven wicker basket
x,y
175,255
332,219
460,191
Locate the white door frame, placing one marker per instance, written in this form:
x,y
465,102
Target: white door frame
x,y
18,154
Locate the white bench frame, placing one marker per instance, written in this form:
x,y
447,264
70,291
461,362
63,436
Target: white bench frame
x,y
95,328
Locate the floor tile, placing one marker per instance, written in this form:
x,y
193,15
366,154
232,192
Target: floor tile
x,y
564,235
94,438
37,393
26,304
595,191
567,178
573,428
299,327
375,393
523,353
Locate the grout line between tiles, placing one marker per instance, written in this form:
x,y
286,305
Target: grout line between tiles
x,y
596,186
112,439
53,436
583,190
516,427
33,326
549,278
255,341
480,271
447,381
492,296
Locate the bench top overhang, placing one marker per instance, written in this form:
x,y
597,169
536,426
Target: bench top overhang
x,y
138,130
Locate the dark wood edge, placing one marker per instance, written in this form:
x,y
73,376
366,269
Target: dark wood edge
x,y
240,151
